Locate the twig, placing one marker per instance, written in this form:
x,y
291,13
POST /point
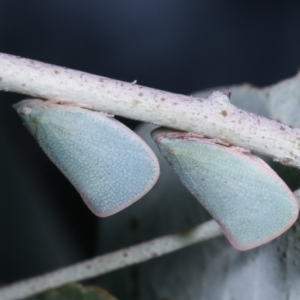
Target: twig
x,y
112,261
215,117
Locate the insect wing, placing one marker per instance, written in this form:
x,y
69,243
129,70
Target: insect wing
x,y
109,165
244,195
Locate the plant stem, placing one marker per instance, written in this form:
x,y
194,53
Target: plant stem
x,y
215,117
112,261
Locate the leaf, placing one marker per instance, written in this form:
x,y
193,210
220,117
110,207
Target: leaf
x,y
74,291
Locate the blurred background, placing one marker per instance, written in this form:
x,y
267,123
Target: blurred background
x,y
174,45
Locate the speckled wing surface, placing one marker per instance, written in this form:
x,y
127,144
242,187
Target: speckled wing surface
x,y
241,192
109,165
